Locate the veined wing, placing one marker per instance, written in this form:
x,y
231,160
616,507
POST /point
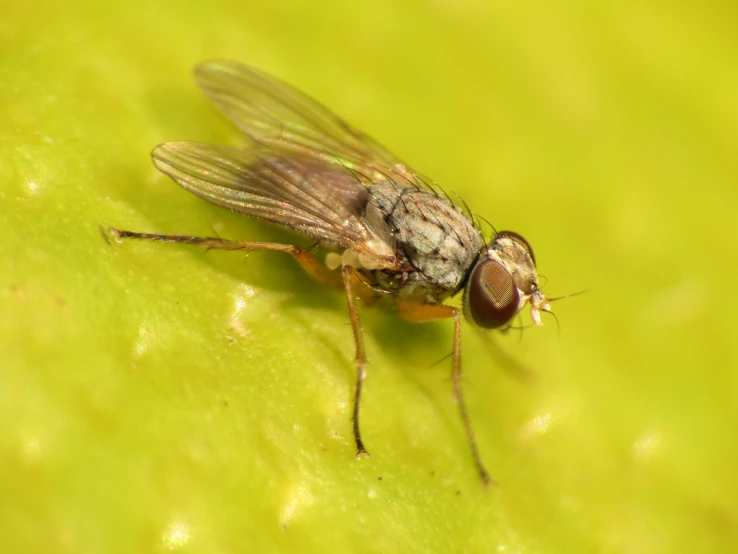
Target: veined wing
x,y
323,200
272,112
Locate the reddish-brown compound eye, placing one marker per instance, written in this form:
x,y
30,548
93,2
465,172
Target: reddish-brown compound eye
x,y
492,297
521,241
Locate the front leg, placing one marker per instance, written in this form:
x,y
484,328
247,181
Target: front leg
x,y
417,312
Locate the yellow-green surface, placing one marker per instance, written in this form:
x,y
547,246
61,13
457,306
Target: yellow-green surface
x,y
158,398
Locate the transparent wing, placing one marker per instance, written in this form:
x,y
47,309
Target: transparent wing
x,y
272,112
327,201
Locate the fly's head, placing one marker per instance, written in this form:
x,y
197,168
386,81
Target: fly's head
x,y
502,282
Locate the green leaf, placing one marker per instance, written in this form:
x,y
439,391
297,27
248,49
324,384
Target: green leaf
x,y
162,398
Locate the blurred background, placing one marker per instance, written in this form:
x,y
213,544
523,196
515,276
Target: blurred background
x,y
159,398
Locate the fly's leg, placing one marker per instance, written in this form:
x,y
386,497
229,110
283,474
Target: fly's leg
x,y
308,262
349,274
423,313
348,279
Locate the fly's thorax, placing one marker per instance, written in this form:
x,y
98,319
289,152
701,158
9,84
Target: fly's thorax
x,y
409,285
438,240
502,282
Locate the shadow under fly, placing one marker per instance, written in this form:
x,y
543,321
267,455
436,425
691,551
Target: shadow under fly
x,y
391,232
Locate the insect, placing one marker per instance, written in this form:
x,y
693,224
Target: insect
x,y
390,231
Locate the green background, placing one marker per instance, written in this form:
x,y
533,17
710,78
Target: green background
x,y
160,398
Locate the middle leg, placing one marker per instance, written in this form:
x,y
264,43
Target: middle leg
x,y
349,275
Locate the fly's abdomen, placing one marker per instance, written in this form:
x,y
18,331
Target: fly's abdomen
x,y
437,238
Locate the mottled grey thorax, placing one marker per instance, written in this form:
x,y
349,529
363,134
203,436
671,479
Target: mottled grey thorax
x,y
438,240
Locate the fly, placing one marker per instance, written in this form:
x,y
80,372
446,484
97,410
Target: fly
x,y
390,231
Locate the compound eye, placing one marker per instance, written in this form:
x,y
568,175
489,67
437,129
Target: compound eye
x,y
493,298
520,240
